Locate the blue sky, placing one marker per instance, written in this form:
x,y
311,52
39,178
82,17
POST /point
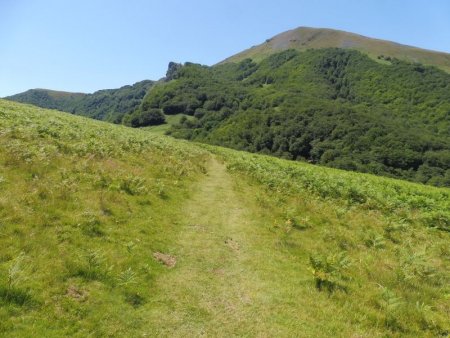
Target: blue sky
x,y
86,45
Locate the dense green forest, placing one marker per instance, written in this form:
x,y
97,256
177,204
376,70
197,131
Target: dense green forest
x,y
108,104
333,107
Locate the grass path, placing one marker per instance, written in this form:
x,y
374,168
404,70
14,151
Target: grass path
x,y
232,278
212,287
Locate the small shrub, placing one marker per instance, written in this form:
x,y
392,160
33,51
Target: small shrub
x,y
393,231
389,301
133,185
415,268
92,266
127,277
130,246
134,299
12,295
298,223
160,188
91,226
437,219
356,196
15,271
374,240
103,181
329,271
391,306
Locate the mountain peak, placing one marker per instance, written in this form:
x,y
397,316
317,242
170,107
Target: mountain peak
x,y
303,38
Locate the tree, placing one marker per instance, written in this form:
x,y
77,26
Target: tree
x,y
139,118
151,117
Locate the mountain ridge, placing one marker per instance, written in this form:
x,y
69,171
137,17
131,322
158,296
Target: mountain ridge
x,y
303,38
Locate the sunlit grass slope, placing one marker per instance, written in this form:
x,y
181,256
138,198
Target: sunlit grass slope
x,y
263,246
83,206
376,248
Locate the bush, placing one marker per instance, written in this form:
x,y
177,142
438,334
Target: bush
x,y
139,118
14,296
174,108
151,117
91,266
328,271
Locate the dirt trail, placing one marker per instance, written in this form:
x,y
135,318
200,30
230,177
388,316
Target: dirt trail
x,y
213,284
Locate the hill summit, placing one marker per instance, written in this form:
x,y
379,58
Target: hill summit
x,y
303,38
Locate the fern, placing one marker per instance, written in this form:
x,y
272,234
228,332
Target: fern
x,y
329,271
127,277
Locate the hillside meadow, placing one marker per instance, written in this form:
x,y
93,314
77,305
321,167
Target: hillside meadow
x,y
111,231
83,207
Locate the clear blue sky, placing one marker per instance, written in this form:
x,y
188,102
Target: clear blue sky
x,y
86,45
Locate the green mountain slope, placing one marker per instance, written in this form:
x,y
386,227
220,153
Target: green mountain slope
x,y
366,105
113,231
330,106
304,38
107,104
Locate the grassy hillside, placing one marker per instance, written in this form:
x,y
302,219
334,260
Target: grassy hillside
x,y
83,205
304,38
331,106
112,231
108,104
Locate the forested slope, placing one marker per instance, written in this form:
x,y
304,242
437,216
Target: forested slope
x,y
108,104
334,107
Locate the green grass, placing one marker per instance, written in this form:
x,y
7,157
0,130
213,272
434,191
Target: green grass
x,y
263,246
376,248
84,203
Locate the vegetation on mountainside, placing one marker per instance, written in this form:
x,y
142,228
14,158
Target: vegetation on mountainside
x,y
261,246
108,104
333,107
